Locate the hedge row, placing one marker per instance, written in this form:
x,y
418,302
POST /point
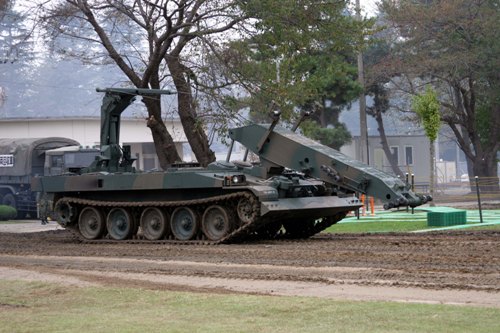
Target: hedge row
x,y
7,213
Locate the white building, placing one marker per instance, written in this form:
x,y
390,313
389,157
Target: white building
x,y
86,130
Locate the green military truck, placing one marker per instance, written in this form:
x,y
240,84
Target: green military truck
x,y
21,159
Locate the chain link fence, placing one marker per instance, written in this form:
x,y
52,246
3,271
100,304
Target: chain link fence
x,y
463,191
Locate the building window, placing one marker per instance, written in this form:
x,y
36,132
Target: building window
x,y
149,163
148,148
395,153
409,155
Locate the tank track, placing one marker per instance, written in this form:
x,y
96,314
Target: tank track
x,y
239,234
254,228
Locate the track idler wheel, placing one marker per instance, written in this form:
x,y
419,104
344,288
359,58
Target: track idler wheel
x,y
247,209
65,213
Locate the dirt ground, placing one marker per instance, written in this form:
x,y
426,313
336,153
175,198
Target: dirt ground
x,y
460,267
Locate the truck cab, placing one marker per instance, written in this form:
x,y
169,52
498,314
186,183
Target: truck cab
x,y
71,159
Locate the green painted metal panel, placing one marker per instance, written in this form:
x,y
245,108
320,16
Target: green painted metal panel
x,y
285,148
446,217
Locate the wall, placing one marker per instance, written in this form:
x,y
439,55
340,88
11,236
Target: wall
x,y
421,155
84,130
87,131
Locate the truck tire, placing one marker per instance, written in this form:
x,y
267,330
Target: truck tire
x,y
9,200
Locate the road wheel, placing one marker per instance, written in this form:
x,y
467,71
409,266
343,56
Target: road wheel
x,y
91,223
184,223
216,223
154,223
120,224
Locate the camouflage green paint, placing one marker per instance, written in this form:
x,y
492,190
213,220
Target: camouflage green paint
x,y
130,181
285,148
248,193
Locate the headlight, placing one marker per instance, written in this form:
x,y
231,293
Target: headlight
x,y
238,179
235,180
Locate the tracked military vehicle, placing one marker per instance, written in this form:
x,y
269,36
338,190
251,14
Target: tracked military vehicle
x,y
296,189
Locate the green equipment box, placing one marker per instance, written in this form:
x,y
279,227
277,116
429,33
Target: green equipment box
x,y
443,216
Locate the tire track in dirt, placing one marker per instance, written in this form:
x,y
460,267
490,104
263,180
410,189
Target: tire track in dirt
x,y
448,263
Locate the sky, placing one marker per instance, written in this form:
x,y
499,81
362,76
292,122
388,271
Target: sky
x,y
36,85
368,7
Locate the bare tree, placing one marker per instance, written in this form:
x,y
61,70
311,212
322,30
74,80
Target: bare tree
x,y
453,46
379,107
377,79
150,42
15,37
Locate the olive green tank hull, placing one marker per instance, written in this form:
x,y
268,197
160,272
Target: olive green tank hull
x,y
188,204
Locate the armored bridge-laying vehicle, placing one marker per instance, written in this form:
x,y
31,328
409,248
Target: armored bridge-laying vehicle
x,y
297,189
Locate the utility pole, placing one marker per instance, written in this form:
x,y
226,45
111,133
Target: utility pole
x,y
363,128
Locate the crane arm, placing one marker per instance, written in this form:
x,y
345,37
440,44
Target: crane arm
x,y
114,102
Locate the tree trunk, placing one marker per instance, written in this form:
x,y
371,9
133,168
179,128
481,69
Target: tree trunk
x,y
482,156
483,159
164,143
432,176
469,162
486,169
385,145
192,127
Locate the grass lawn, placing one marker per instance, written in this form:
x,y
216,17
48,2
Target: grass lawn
x,y
393,226
401,221
42,307
385,226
